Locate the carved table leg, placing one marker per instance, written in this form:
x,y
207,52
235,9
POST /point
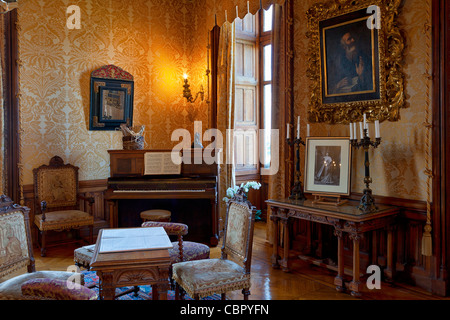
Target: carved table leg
x,y
389,271
107,290
163,288
356,283
285,260
309,239
275,256
339,280
155,292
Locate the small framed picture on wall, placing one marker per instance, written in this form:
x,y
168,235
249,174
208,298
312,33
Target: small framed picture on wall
x,y
112,91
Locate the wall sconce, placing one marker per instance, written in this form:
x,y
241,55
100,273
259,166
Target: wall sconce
x,y
187,91
8,5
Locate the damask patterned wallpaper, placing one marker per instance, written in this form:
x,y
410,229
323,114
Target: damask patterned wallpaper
x,y
159,40
155,40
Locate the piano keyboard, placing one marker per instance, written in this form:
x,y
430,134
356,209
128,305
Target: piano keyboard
x,y
155,191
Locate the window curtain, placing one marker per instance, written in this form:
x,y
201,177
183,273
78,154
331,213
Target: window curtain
x,y
220,11
2,103
281,104
225,113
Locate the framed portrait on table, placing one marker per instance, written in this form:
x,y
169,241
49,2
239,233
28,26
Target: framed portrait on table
x,y
112,91
328,166
354,61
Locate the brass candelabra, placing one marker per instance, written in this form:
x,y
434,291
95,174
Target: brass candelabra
x,y
297,190
367,202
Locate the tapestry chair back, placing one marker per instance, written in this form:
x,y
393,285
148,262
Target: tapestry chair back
x,y
57,184
15,240
237,243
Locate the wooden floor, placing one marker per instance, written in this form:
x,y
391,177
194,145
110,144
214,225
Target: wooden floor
x,y
304,282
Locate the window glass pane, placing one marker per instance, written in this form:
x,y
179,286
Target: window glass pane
x,y
267,17
268,63
267,123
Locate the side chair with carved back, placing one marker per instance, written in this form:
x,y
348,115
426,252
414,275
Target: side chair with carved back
x,y
57,200
231,271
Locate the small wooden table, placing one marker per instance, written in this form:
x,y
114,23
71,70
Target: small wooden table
x,y
346,218
132,257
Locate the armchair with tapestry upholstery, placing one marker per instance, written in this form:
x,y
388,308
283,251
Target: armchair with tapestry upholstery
x,y
57,201
231,272
16,253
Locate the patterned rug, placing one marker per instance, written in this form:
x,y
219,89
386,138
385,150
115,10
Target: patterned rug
x,y
145,292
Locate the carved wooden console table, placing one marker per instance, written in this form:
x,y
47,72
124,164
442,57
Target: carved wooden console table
x,y
345,219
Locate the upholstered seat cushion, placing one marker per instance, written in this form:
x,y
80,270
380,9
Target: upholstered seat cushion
x,y
55,289
205,277
156,215
60,220
191,251
11,289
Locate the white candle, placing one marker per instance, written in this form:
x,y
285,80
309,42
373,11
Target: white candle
x,y
298,127
354,131
365,121
307,130
351,131
377,129
361,130
287,131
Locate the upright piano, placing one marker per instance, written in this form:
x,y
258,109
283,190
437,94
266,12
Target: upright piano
x,y
191,196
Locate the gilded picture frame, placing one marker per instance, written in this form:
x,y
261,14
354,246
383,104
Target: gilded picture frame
x,y
328,166
355,57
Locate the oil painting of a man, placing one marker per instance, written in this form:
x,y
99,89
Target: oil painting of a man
x,y
349,59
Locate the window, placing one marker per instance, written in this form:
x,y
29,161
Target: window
x,y
253,92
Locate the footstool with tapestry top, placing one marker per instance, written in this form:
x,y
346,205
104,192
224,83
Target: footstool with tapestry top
x,y
83,256
157,215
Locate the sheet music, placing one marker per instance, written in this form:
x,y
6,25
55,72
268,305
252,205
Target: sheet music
x,y
135,239
160,163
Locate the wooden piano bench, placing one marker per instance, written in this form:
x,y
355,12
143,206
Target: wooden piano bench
x,y
157,215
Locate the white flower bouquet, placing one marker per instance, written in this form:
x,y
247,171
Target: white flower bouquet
x,y
231,192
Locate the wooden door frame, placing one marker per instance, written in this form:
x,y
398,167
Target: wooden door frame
x,y
441,140
11,117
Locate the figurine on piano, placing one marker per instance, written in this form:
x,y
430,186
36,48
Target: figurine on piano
x,y
197,141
